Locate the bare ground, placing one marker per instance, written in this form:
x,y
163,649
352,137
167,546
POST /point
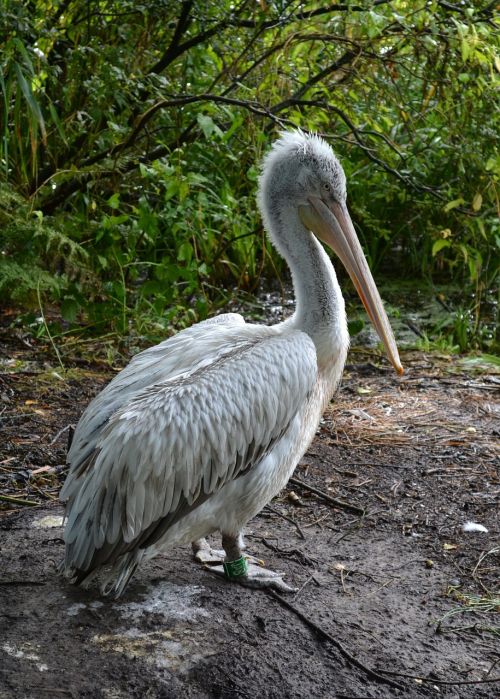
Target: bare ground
x,y
392,576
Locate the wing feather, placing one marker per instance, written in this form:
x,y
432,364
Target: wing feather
x,y
172,358
177,442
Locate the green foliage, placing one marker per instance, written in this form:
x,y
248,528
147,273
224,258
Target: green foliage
x,y
129,135
34,256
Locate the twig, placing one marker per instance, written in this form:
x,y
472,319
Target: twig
x,y
469,627
326,636
288,519
47,330
403,565
19,583
18,501
328,498
68,427
317,521
185,100
430,679
44,493
410,324
297,553
8,460
304,585
483,555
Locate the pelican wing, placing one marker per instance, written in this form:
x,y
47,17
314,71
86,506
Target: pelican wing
x,y
169,359
178,441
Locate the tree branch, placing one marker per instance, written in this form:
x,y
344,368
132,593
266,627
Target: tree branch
x,y
83,178
307,14
180,101
408,181
173,49
336,65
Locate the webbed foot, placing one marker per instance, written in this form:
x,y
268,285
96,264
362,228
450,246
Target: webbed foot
x,y
205,554
237,567
248,574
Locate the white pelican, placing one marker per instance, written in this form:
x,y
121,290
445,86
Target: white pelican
x,y
197,434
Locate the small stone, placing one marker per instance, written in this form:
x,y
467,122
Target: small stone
x,y
294,498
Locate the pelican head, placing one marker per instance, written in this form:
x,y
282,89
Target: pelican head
x,y
303,171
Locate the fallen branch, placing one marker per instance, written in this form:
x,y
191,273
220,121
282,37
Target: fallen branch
x,y
299,555
327,637
333,501
18,583
288,519
18,501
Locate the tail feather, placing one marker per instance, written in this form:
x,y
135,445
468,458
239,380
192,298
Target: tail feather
x,y
121,574
116,578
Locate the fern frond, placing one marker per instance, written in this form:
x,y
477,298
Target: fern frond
x,y
20,282
56,241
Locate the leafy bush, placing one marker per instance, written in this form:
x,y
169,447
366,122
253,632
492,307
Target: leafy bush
x,y
131,132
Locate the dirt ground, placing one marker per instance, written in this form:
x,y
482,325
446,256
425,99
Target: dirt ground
x,y
389,572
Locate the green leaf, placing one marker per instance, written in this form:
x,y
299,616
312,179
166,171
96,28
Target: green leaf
x,y
172,189
253,173
454,204
477,202
439,245
114,201
237,122
475,264
208,126
69,309
355,326
57,122
183,190
30,99
493,163
185,252
466,49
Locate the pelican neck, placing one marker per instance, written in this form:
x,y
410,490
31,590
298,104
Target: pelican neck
x,y
319,304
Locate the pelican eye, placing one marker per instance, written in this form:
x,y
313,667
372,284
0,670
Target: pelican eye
x,y
326,187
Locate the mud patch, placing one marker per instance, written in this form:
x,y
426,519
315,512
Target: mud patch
x,y
175,603
396,579
25,652
49,522
178,652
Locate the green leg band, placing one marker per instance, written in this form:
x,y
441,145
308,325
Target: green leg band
x,y
235,569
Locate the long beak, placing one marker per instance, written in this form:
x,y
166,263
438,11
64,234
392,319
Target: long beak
x,y
333,225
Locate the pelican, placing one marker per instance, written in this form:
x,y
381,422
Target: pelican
x,y
197,434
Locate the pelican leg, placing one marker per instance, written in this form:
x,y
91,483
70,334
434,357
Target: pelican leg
x,y
247,570
205,554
